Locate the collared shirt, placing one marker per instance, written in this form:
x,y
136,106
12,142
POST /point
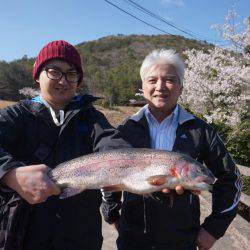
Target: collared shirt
x,y
162,134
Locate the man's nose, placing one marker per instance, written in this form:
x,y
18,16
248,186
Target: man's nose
x,y
160,84
63,80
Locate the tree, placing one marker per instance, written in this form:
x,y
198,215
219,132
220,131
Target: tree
x,y
236,34
217,80
214,84
216,87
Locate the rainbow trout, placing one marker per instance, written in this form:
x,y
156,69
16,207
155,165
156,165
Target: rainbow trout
x,y
139,171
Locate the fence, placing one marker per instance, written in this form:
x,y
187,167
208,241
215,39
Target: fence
x,y
244,210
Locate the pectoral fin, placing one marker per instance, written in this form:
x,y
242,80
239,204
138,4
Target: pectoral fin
x,y
157,180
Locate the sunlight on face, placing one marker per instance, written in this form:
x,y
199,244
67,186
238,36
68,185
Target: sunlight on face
x,y
162,88
58,92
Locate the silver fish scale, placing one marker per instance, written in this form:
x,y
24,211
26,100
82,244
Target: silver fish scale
x,y
129,168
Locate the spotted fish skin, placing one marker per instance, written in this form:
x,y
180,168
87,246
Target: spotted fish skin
x,y
140,171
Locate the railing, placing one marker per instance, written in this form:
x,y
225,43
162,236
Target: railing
x,y
244,210
244,170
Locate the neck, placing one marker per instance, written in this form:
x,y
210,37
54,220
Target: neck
x,y
160,114
54,105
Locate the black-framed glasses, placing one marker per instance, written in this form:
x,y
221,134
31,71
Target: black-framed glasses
x,y
71,76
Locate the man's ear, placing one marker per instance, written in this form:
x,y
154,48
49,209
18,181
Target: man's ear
x,y
181,89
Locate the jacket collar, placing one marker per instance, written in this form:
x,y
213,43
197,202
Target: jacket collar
x,y
37,106
183,115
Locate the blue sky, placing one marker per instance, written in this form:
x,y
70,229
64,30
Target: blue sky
x,y
27,25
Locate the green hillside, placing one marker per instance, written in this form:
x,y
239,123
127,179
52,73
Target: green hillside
x,y
111,65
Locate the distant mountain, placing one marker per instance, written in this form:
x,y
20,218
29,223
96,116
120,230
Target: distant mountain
x,y
111,65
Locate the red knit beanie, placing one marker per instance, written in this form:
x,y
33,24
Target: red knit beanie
x,y
58,50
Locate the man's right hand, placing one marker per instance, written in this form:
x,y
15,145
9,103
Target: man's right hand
x,y
115,224
31,183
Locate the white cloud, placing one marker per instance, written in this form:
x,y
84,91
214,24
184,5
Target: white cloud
x,y
176,2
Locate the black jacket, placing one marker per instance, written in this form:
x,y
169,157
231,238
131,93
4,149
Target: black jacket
x,y
29,136
146,221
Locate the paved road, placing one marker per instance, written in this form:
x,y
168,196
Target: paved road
x,y
237,236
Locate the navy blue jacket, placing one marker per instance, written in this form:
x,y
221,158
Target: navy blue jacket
x,y
152,222
29,136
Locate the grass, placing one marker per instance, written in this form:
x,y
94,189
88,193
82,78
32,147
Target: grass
x,y
4,104
245,184
117,115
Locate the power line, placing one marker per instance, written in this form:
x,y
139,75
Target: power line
x,y
150,13
153,15
163,31
186,31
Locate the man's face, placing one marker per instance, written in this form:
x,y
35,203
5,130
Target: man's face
x,y
162,88
57,91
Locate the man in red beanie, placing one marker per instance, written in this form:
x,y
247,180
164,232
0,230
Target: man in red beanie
x,y
36,134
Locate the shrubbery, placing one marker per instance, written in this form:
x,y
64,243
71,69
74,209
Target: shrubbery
x,y
237,140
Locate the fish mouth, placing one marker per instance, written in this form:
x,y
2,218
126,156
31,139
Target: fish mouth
x,y
205,179
203,186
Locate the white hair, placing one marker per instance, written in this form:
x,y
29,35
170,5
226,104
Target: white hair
x,y
161,57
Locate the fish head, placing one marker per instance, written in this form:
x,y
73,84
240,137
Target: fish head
x,y
192,175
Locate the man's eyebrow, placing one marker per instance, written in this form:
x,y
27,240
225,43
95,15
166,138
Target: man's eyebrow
x,y
169,75
151,76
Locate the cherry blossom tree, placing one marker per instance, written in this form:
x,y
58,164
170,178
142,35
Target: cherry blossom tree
x,y
217,81
236,34
29,92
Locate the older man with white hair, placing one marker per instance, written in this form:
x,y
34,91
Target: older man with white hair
x,y
159,223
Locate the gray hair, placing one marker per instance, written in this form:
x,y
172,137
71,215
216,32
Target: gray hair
x,y
160,57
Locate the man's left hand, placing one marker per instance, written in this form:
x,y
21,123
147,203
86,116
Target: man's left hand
x,y
204,240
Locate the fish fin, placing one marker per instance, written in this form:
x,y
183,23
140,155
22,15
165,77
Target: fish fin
x,y
150,196
113,188
146,195
157,180
68,192
171,199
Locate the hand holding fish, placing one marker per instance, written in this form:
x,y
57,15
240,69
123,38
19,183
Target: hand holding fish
x,y
31,183
180,190
115,224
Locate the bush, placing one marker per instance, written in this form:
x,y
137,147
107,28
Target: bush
x,y
237,140
245,184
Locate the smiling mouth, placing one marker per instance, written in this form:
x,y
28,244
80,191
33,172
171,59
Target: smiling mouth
x,y
161,96
62,90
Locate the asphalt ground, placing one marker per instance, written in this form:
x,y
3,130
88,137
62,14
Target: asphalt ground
x,y
236,237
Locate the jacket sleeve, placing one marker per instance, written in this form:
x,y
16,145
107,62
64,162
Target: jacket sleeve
x,y
226,190
111,204
11,124
106,138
